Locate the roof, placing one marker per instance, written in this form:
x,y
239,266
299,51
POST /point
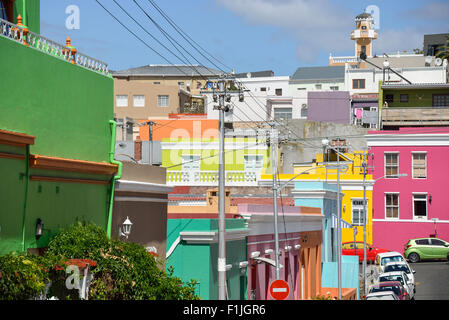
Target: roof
x,y
387,284
389,254
364,15
169,70
319,73
409,61
416,86
257,74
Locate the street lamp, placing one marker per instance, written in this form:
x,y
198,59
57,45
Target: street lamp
x,y
125,229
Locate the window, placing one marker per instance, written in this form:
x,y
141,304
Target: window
x,y
253,162
263,89
420,206
403,98
139,101
391,165
437,242
181,85
334,88
440,100
121,100
191,162
389,98
358,216
419,164
318,86
358,84
423,242
391,205
304,111
278,92
163,101
283,113
156,82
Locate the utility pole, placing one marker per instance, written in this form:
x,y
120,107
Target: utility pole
x,y
274,168
150,140
339,221
222,96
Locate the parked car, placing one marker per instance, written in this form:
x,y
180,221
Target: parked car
x,y
383,258
382,295
371,252
401,266
419,249
402,277
394,286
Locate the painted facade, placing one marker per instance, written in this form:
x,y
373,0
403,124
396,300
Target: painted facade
x,y
56,150
415,205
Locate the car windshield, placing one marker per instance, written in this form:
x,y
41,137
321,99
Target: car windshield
x,y
391,259
391,278
395,289
397,267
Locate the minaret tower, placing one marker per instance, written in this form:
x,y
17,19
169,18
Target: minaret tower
x,y
364,34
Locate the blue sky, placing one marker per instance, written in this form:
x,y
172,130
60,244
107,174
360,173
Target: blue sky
x,y
246,35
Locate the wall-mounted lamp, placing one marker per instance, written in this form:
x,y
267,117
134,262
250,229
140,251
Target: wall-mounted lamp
x,y
39,228
125,229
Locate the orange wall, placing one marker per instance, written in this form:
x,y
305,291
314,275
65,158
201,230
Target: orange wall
x,y
177,128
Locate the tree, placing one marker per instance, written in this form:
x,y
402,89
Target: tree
x,y
443,51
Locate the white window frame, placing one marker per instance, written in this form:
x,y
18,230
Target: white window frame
x,y
427,206
256,162
419,152
277,111
385,164
385,206
191,162
359,207
159,97
117,104
138,105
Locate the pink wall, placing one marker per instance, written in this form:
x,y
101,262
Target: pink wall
x,y
393,234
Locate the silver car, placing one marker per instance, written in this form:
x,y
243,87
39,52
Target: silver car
x,y
402,266
402,277
382,295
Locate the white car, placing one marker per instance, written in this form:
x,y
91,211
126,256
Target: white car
x,y
383,258
402,266
402,277
382,295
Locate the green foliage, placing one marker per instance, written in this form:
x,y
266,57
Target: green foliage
x,y
443,51
22,276
124,271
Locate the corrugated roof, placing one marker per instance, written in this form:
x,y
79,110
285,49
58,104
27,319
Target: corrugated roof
x,y
319,73
256,74
416,86
169,70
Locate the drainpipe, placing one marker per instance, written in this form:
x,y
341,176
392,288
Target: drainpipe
x,y
27,177
118,176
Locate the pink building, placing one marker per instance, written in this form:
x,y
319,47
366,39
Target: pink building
x,y
300,241
415,205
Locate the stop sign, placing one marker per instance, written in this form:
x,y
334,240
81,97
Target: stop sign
x,y
279,289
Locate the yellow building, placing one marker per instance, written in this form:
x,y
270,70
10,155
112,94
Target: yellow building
x,y
351,182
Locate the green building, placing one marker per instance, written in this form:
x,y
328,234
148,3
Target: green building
x,y
57,136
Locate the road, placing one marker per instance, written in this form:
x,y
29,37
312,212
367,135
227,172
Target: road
x,y
432,280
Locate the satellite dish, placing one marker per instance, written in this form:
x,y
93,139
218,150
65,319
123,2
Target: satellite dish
x,y
438,61
428,60
248,75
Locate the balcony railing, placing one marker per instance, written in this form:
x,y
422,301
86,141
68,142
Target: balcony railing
x,y
415,116
24,36
210,178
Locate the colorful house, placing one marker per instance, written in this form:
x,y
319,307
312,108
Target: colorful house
x,y
415,205
352,182
192,247
56,135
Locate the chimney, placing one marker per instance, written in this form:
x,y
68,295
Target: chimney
x,y
138,149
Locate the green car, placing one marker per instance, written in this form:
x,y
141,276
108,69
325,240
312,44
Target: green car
x,y
426,249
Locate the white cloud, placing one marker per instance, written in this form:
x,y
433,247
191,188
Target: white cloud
x,y
316,26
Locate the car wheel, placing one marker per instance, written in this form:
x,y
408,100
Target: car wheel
x,y
413,257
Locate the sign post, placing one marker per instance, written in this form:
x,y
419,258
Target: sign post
x,y
279,289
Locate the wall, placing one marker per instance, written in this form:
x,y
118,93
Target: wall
x,y
332,107
32,18
56,101
417,98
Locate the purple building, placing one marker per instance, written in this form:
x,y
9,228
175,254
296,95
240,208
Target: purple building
x,y
329,106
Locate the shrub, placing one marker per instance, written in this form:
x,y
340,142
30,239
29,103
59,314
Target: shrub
x,y
22,276
124,271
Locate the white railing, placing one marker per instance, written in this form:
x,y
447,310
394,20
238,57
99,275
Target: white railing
x,y
210,178
50,47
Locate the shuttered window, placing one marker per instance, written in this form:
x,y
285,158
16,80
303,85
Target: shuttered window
x,y
391,205
391,165
419,165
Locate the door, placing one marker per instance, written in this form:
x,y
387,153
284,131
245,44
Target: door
x,y
424,248
439,249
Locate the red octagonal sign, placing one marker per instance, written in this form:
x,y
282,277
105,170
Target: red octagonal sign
x,y
279,289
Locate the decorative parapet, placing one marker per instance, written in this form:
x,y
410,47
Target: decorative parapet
x,y
21,34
